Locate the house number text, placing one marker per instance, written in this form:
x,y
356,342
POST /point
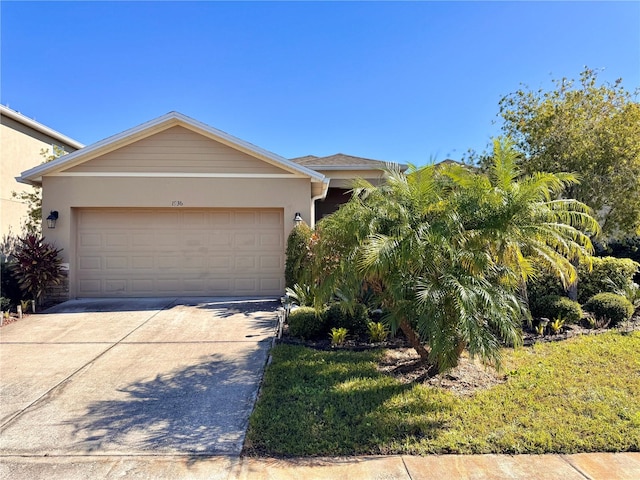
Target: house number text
x,y
177,203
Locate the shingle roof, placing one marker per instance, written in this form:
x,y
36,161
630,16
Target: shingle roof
x,y
338,160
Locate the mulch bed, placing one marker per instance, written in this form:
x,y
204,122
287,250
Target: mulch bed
x,y
403,363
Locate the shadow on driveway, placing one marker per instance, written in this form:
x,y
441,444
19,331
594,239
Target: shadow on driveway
x,y
199,410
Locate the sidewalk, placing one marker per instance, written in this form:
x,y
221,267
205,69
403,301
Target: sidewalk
x,y
596,466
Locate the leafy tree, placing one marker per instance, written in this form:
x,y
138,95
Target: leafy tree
x,y
33,198
590,129
448,249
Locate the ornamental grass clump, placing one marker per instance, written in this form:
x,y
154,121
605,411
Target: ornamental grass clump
x,y
338,336
378,332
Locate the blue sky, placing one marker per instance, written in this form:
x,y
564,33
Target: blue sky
x,y
409,82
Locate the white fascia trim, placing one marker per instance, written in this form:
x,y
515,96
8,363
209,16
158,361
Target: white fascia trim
x,y
29,122
177,175
167,120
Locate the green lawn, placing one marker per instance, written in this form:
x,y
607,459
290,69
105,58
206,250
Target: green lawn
x,y
578,395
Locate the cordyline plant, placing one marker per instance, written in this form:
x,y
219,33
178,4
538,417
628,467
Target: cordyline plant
x,y
36,265
447,251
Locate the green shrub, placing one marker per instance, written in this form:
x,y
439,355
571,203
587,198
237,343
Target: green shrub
x,y
297,255
609,274
9,284
610,306
622,248
543,285
5,303
354,320
306,323
556,306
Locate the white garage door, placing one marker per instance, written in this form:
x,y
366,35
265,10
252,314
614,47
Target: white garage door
x,y
199,252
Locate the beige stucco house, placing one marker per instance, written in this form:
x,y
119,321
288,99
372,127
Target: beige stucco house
x,y
176,207
21,141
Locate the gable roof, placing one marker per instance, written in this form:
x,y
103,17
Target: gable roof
x,y
37,126
171,119
341,161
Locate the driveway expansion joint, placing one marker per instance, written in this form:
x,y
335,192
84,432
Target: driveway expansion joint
x,y
567,459
55,391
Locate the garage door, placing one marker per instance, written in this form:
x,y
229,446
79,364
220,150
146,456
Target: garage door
x,y
159,252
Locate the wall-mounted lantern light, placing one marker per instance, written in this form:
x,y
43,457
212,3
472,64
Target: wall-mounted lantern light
x,y
297,219
52,219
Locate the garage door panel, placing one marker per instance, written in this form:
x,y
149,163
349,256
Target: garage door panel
x,y
245,240
142,285
246,285
115,285
245,263
142,263
146,252
270,284
270,240
220,239
89,287
90,240
89,263
246,219
271,218
270,263
220,263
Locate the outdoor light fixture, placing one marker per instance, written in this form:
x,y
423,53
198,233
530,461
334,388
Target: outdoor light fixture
x,y
297,219
52,219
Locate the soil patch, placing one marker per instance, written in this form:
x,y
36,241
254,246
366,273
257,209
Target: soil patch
x,y
467,378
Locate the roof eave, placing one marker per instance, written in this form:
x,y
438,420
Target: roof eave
x,y
165,121
29,122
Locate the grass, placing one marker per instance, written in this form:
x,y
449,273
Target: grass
x,y
581,395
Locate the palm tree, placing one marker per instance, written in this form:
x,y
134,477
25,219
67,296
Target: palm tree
x,y
447,250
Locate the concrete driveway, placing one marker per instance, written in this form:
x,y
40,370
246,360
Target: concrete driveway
x,y
134,377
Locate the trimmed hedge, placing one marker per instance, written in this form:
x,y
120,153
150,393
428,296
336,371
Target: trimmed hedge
x,y
609,274
307,323
609,306
554,306
622,248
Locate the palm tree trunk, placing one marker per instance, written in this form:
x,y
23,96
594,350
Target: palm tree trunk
x,y
573,288
414,339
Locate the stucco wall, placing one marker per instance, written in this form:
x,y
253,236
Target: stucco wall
x,y
64,194
20,148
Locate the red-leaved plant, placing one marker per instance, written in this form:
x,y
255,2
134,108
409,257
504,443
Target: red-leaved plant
x,y
36,265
